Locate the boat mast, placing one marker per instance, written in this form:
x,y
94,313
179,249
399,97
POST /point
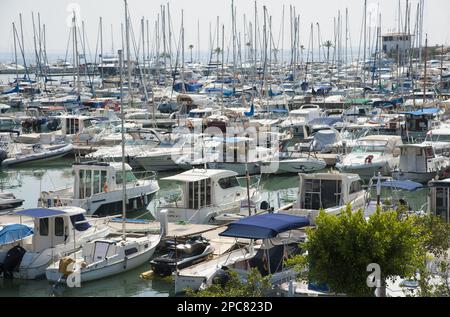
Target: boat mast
x,y
183,89
127,41
101,49
15,53
124,188
365,43
441,78
425,71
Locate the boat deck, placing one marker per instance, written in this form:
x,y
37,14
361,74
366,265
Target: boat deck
x,y
182,231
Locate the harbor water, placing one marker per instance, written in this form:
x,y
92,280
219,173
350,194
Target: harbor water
x,y
27,183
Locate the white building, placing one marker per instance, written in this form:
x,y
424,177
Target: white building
x,y
394,41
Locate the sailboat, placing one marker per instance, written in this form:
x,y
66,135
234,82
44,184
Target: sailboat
x,y
114,254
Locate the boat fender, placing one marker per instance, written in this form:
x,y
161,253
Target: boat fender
x,y
64,264
125,263
146,275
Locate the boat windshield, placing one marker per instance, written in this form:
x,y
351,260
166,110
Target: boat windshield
x,y
370,147
129,177
438,138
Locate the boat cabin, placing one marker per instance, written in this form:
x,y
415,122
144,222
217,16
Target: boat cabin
x,y
53,227
418,123
416,157
95,178
329,191
439,199
204,194
72,124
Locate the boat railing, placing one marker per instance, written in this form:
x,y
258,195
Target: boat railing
x,y
146,175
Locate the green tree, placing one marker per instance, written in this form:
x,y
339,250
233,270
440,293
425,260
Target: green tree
x,y
328,45
341,248
254,285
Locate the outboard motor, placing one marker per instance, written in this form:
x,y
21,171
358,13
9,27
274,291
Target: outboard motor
x,y
3,155
12,260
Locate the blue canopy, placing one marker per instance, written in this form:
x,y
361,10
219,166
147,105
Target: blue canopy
x,y
405,184
40,213
14,232
264,226
423,112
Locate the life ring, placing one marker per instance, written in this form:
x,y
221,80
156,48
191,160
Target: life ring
x,y
368,159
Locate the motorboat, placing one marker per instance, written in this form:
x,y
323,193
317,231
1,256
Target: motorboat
x,y
181,255
114,254
9,201
98,189
57,232
287,163
205,195
372,154
279,240
37,153
104,257
420,163
331,192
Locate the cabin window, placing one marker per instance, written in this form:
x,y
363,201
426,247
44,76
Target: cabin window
x,y
199,194
103,180
59,226
88,183
43,226
355,187
129,177
322,194
97,183
130,251
228,182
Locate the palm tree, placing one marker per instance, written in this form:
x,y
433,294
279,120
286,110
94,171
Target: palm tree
x,y
328,44
191,47
275,53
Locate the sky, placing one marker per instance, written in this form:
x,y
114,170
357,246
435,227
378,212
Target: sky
x,y
56,15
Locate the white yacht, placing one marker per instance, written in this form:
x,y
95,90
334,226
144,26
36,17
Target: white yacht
x,y
420,163
372,154
205,195
105,257
37,153
280,238
57,232
328,191
98,189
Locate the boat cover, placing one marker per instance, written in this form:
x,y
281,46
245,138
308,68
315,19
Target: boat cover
x,y
40,213
402,184
423,112
14,232
264,226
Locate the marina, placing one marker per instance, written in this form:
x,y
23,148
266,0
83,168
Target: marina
x,y
157,167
